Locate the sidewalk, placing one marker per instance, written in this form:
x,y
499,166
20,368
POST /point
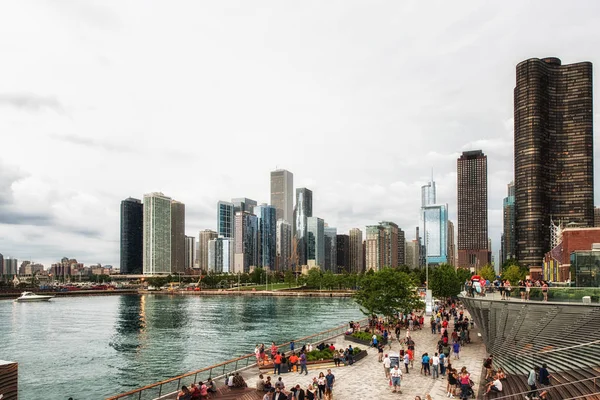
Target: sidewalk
x,y
366,378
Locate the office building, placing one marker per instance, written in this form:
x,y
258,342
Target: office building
x,y
597,217
356,251
390,243
553,150
11,267
225,219
508,245
315,242
1,265
178,254
246,242
412,254
242,204
267,236
472,203
451,244
435,228
401,247
282,194
428,195
302,211
203,238
132,236
157,234
190,252
375,248
220,255
343,253
330,249
284,246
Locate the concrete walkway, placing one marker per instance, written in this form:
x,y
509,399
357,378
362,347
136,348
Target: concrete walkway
x,y
366,378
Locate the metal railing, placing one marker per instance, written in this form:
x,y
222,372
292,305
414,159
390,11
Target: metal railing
x,y
167,387
536,293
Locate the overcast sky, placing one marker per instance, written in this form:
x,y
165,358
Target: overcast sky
x,y
102,100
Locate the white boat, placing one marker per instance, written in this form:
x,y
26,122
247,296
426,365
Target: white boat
x,y
29,296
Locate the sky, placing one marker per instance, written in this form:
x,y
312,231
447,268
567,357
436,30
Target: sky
x,y
200,100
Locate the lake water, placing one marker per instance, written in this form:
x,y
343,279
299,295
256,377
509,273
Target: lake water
x,y
94,347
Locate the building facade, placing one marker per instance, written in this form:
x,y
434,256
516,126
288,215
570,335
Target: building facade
x,y
375,248
204,237
401,247
267,236
356,260
178,254
225,219
190,252
242,204
282,194
412,254
343,252
435,228
157,234
508,245
553,156
284,245
472,203
132,236
315,242
451,244
330,249
220,255
246,242
390,244
302,211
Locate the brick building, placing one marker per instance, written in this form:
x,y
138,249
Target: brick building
x,y
557,262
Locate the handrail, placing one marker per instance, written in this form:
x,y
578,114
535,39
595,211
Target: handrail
x,y
508,396
341,329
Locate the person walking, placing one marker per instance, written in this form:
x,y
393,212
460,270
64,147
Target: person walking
x,y
531,382
303,364
387,364
456,350
435,365
406,361
465,384
396,375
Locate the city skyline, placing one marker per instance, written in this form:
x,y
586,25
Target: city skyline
x,y
400,96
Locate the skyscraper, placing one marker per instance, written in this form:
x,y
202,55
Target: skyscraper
x,y
284,245
157,234
132,236
220,255
412,254
282,194
554,176
401,247
472,210
225,219
190,249
508,233
302,211
315,242
243,204
246,242
343,252
428,195
1,266
267,236
435,225
390,244
356,251
375,248
330,249
451,244
203,238
178,258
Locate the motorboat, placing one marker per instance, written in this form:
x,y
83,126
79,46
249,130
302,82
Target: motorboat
x,y
29,296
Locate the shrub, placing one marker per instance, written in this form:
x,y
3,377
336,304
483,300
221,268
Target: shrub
x,y
367,337
316,355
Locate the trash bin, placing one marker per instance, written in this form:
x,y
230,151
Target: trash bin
x,y
587,299
394,360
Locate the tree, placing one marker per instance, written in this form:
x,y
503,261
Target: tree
x,y
387,292
444,282
289,278
514,274
488,273
314,278
463,274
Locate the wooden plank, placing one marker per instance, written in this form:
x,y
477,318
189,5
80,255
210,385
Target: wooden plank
x,y
9,380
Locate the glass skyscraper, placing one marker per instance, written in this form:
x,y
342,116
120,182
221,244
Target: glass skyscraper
x,y
302,211
220,255
132,236
225,219
246,242
315,242
435,226
330,249
157,234
267,235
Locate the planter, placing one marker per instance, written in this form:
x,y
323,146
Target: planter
x,y
356,340
360,356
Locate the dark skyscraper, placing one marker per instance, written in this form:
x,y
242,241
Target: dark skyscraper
x,y
267,235
132,236
473,249
343,252
401,247
554,176
508,234
302,211
177,237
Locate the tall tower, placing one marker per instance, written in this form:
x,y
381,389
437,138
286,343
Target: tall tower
x,y
508,232
284,245
177,237
225,219
243,204
390,244
330,249
282,194
190,248
342,247
315,242
375,248
132,236
203,238
302,211
554,166
246,242
157,234
451,244
356,251
472,210
267,236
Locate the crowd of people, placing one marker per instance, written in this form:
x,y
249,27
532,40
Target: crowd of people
x,y
481,286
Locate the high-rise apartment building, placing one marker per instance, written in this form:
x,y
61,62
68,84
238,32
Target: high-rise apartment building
x,y
190,250
1,265
203,238
596,217
330,249
132,236
267,236
302,211
343,252
246,242
412,254
220,255
428,195
356,251
508,245
178,253
284,245
554,174
242,204
225,219
390,244
401,247
451,244
375,248
472,210
315,242
157,234
282,194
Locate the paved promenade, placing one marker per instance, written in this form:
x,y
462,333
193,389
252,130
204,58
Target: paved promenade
x,y
366,378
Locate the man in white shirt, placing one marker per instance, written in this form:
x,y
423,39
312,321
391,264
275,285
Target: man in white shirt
x,y
531,379
387,363
435,367
406,361
396,375
495,386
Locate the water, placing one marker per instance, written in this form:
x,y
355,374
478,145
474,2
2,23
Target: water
x,y
93,347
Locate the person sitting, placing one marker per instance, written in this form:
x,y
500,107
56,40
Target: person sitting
x,y
238,381
210,386
184,394
268,384
500,375
494,386
194,391
260,384
293,361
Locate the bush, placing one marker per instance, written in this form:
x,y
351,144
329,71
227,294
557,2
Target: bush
x,y
316,355
367,337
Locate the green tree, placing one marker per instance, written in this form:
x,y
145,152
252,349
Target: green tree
x,y
289,278
463,274
444,282
258,275
514,274
314,278
488,273
386,292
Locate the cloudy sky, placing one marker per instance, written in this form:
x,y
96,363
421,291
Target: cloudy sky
x,y
102,100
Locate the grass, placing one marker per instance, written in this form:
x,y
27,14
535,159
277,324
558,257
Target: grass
x,y
274,286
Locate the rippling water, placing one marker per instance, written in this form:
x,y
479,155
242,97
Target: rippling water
x,y
94,347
